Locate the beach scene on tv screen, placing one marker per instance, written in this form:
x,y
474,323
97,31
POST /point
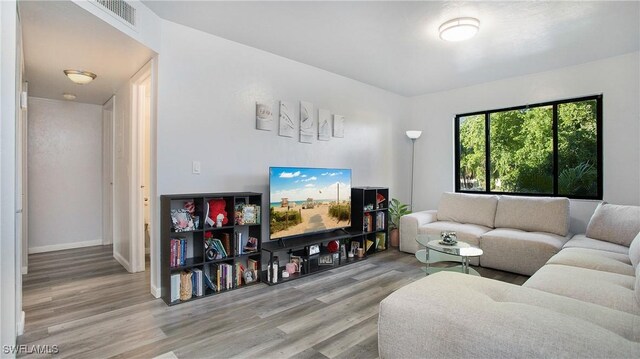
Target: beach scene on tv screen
x,y
307,200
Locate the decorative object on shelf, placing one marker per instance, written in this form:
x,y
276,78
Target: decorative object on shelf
x,y
186,290
286,126
297,262
275,265
306,122
325,259
413,135
333,246
251,246
313,249
360,253
354,247
250,213
285,274
264,116
181,220
343,251
448,238
291,267
324,127
379,200
249,276
215,209
396,210
338,126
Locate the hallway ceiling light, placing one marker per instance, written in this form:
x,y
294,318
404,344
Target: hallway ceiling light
x,y
459,29
69,96
80,77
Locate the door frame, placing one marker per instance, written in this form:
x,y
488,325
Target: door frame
x,y
136,198
108,157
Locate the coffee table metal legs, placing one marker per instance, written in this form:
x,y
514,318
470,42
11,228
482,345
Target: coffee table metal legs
x,y
427,264
465,265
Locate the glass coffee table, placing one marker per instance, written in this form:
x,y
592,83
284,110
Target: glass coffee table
x,y
461,249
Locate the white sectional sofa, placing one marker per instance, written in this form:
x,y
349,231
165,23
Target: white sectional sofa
x,y
517,234
583,303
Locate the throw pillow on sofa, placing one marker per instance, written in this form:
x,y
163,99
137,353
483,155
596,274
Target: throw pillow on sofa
x,y
614,223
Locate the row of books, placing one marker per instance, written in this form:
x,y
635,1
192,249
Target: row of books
x,y
380,220
178,255
214,249
216,277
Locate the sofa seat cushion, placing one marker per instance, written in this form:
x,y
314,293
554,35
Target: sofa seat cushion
x,y
594,259
614,223
634,251
517,251
582,241
534,214
468,208
611,290
449,315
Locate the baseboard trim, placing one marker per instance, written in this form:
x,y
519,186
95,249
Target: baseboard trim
x,y
155,291
125,263
60,247
20,324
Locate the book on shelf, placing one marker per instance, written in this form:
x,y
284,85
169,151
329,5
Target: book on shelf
x,y
207,278
197,282
238,244
369,244
175,287
178,254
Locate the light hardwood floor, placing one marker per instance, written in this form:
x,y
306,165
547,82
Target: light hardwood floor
x,y
84,302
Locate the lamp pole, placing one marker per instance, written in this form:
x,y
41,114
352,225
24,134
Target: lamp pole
x,y
413,135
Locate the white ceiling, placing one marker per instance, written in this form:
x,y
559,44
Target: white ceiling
x,y
395,45
61,35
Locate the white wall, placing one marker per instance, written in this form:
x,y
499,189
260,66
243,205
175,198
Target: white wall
x,y
617,78
207,91
65,174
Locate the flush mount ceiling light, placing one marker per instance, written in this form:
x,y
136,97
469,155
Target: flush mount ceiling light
x,y
459,29
69,96
80,77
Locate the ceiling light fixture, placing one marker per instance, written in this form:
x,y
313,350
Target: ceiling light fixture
x,y
459,29
80,77
69,96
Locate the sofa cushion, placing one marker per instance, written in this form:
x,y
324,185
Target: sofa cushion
x,y
582,241
612,290
594,259
634,251
467,208
518,251
534,214
637,286
614,223
471,317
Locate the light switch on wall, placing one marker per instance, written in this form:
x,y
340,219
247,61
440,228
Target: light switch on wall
x,y
196,167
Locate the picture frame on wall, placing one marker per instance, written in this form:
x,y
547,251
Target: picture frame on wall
x,y
306,122
324,126
286,125
338,126
264,116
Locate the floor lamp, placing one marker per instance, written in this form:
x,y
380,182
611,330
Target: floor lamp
x,y
413,135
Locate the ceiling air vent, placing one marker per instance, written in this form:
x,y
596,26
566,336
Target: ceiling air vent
x,y
120,9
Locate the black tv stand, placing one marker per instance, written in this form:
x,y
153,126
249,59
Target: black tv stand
x,y
298,246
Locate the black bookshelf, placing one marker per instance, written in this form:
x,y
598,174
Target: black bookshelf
x,y
195,256
370,217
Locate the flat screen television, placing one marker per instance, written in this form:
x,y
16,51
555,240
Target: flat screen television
x,y
303,201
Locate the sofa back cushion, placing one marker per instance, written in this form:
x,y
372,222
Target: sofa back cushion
x,y
614,223
534,214
634,251
468,208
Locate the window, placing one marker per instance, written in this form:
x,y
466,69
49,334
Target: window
x,y
548,149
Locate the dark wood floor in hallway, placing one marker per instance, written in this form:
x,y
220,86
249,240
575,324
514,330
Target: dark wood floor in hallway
x,y
84,302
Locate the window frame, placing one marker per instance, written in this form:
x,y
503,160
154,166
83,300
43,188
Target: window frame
x,y
487,132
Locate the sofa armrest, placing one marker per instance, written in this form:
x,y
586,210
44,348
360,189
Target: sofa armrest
x,y
409,225
452,315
